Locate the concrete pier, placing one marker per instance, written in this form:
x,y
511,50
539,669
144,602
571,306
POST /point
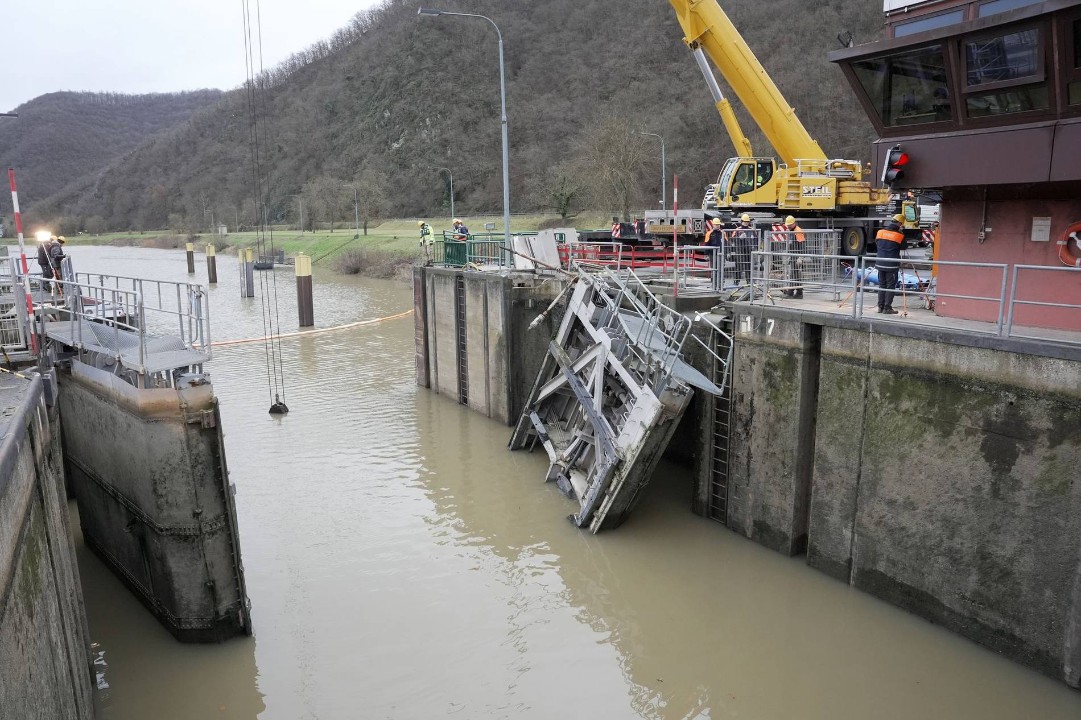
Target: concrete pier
x,y
45,664
936,470
473,338
154,497
247,273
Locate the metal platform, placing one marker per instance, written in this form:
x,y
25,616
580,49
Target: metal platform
x,y
609,395
144,354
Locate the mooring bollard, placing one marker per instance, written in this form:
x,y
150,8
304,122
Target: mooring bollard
x,y
247,277
190,247
304,290
211,265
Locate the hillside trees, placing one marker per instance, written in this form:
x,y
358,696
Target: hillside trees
x,y
392,96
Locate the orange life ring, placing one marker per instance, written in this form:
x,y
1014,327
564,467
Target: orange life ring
x,y
1064,254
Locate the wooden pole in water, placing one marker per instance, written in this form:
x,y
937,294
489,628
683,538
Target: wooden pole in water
x,y
190,247
211,265
247,279
304,290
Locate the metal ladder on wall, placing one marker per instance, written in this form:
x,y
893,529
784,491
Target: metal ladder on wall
x,y
460,349
720,428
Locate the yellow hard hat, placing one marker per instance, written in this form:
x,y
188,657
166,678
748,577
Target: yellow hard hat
x,y
744,218
420,223
457,221
62,239
790,220
899,218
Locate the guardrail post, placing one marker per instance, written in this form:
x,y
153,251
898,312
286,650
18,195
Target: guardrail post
x,y
211,265
305,309
1002,297
190,248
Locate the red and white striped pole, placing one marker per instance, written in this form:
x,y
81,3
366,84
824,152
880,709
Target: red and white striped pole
x,y
675,234
22,254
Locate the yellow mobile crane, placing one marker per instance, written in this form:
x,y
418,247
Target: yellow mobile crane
x,y
805,183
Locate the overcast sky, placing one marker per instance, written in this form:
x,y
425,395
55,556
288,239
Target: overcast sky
x,y
138,46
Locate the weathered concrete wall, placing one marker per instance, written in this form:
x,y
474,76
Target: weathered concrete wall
x,y
45,666
148,470
502,357
947,480
774,379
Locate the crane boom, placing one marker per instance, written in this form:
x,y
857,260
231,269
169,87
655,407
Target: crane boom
x,y
706,26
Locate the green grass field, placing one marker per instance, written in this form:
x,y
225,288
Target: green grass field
x,y
391,242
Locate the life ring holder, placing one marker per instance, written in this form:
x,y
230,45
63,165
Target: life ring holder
x,y
1068,258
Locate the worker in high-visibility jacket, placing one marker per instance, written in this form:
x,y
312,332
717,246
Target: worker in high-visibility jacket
x,y
888,244
427,238
796,241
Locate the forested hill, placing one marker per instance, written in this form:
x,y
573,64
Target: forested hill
x,y
60,138
395,95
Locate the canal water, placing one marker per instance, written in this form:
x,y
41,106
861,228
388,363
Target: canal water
x,y
402,563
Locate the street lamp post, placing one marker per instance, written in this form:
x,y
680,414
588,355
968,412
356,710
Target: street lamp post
x,y
502,116
356,206
664,176
300,201
449,173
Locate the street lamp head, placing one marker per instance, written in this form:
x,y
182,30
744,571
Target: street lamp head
x,y
428,11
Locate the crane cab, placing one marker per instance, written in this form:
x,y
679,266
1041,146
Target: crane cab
x,y
745,183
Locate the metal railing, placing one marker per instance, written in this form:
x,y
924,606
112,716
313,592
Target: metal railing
x,y
655,332
1066,313
485,250
165,307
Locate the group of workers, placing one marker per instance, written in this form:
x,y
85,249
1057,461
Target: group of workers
x,y
743,240
459,233
50,255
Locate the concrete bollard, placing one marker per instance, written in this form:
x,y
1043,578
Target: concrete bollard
x,y
304,290
190,247
247,274
211,265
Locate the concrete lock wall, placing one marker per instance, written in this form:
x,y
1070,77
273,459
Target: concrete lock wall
x,y
946,481
501,355
45,665
148,471
935,473
774,372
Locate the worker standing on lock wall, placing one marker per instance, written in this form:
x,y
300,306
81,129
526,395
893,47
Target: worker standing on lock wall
x,y
796,240
427,237
888,242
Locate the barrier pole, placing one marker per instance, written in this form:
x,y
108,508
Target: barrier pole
x,y
190,248
31,323
675,235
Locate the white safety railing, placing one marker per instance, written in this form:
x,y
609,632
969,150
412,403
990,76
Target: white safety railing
x,y
1055,292
166,308
1035,302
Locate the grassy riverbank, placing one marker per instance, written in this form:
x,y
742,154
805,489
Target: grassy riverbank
x,y
388,249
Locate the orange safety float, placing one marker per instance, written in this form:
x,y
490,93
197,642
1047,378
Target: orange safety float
x,y
1073,259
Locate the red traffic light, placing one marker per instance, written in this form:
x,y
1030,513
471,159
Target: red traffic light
x,y
893,168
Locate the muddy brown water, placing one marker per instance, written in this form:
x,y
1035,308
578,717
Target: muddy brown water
x,y
401,563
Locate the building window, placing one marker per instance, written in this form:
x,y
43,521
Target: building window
x,y
1004,58
997,6
1073,87
928,23
909,88
1002,102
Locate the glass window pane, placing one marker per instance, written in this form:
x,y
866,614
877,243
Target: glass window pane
x,y
1013,100
1077,43
908,88
1075,93
997,6
1006,57
928,23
